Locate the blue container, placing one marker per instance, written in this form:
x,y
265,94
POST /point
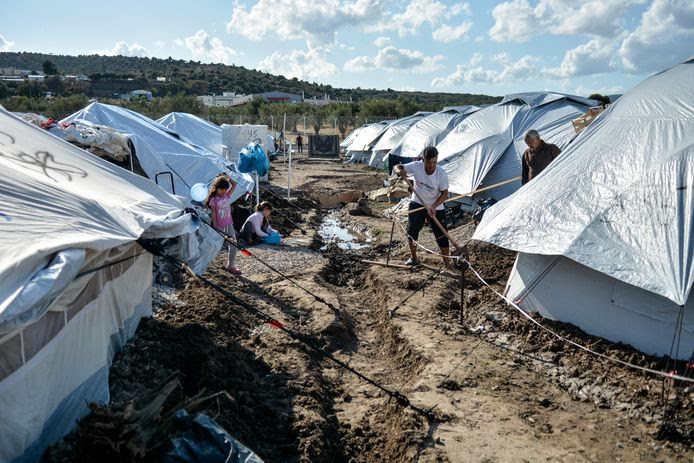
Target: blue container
x,y
275,238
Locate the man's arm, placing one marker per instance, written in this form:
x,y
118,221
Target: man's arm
x,y
525,170
440,200
555,152
400,171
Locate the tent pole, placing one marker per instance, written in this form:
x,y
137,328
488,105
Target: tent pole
x,y
257,188
390,244
462,293
289,174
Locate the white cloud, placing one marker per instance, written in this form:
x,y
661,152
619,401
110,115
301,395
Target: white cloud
x,y
476,59
663,38
310,64
5,45
206,48
123,49
418,13
461,8
511,71
518,20
159,43
587,91
381,42
593,57
316,22
448,34
396,59
479,38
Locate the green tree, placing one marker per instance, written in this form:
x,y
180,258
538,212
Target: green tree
x,y
345,116
55,85
49,68
318,116
4,91
32,89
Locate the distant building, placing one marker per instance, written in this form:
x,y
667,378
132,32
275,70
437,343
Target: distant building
x,y
225,100
280,97
79,77
137,95
37,78
320,102
161,79
14,72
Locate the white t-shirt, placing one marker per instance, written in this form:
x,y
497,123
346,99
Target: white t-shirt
x,y
429,187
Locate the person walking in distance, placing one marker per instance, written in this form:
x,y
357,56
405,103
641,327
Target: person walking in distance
x,y
300,144
431,182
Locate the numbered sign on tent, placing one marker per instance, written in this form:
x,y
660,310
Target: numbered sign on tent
x,y
237,137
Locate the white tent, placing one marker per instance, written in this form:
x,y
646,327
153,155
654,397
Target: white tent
x,y
390,137
430,130
164,155
350,138
73,281
359,149
194,130
606,231
487,147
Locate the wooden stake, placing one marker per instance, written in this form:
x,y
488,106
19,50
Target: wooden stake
x,y
390,245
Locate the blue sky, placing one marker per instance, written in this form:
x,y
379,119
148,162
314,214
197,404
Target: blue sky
x,y
493,47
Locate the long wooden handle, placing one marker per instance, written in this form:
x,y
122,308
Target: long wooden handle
x,y
433,217
455,198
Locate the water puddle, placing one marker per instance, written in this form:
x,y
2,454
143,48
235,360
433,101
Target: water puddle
x,y
332,230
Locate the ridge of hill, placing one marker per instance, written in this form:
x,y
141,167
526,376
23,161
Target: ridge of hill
x,y
196,78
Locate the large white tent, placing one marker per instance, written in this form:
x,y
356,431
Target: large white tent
x,y
194,130
358,148
605,233
164,155
430,130
73,281
390,137
487,147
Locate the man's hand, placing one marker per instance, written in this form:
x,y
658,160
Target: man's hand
x,y
432,211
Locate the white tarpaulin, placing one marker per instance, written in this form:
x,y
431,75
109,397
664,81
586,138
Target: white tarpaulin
x,y
619,199
391,136
350,138
162,151
430,130
237,137
360,144
64,210
195,130
487,147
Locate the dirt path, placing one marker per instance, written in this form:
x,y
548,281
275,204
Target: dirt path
x,y
497,389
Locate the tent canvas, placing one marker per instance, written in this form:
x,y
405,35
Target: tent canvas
x,y
487,147
359,147
195,130
430,130
64,211
391,136
619,202
160,150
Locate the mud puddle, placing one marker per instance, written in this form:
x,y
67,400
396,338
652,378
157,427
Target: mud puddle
x,y
333,231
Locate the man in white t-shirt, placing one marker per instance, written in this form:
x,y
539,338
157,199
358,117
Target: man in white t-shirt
x,y
431,182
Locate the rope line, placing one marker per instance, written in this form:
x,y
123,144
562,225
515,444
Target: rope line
x,y
671,375
400,399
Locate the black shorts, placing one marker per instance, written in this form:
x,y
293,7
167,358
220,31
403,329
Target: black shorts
x,y
417,219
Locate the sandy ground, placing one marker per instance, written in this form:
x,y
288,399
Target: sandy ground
x,y
496,389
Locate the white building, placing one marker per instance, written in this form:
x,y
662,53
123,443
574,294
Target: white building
x,y
225,100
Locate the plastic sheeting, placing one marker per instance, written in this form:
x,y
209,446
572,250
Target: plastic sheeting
x,y
253,159
431,130
391,136
161,150
350,138
195,130
360,144
206,441
619,200
487,147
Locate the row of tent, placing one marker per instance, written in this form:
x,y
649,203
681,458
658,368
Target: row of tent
x,y
605,234
74,282
478,147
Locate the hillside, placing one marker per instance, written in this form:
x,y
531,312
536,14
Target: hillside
x,y
110,74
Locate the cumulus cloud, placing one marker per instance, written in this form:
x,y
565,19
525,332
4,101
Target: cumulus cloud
x,y
461,8
316,22
518,20
662,39
206,48
448,34
310,64
123,49
418,13
381,42
510,71
5,45
594,57
396,59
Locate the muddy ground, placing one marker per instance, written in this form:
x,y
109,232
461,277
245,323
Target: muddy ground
x,y
495,388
